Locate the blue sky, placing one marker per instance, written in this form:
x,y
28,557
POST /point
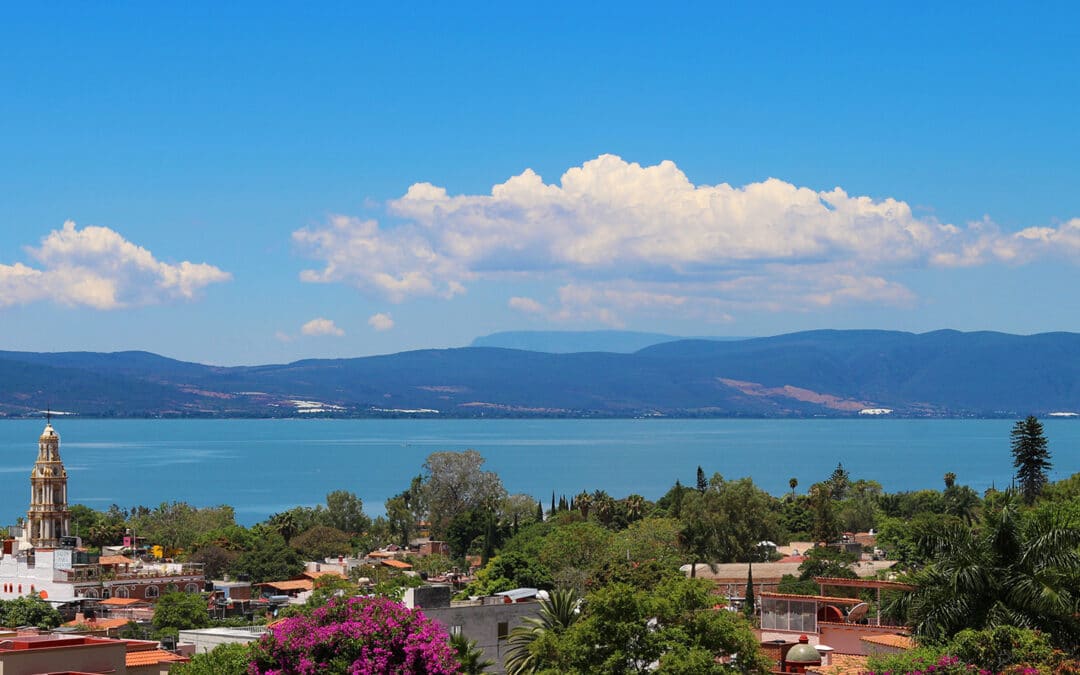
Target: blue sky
x,y
267,182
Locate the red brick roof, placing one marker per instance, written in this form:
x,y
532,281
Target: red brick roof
x,y
290,585
152,657
123,602
397,564
897,641
841,664
99,624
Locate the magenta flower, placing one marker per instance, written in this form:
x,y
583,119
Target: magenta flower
x,y
358,636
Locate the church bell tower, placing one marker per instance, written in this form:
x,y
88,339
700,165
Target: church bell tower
x,y
48,518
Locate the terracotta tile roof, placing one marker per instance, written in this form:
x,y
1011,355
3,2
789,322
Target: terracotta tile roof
x,y
897,641
290,585
397,564
99,624
841,664
152,657
115,560
316,575
122,602
792,559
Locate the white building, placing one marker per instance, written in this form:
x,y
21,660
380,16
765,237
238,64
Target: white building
x,y
42,558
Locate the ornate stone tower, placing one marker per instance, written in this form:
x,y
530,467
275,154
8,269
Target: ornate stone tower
x,y
48,518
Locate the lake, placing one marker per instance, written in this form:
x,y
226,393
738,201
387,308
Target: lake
x,y
264,466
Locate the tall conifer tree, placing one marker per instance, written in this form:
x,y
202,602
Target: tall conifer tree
x,y
1031,457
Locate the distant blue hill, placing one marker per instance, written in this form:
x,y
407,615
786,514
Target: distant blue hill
x,y
828,372
570,342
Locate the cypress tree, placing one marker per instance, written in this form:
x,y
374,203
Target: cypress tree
x,y
539,511
702,484
552,501
676,500
748,600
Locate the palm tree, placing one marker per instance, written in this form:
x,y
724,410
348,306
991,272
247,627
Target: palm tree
x,y
582,502
793,483
1016,569
557,613
605,507
635,507
469,655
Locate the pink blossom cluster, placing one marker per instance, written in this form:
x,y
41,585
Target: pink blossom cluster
x,y
358,636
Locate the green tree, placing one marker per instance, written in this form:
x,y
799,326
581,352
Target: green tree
x,y
827,561
702,483
225,659
509,570
838,482
677,500
215,560
961,501
345,512
321,542
793,483
825,525
454,483
529,645
1031,457
28,610
401,519
1015,569
950,479
628,630
180,611
270,560
635,507
469,655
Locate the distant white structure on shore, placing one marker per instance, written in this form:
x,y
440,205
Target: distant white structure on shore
x,y
1063,414
875,411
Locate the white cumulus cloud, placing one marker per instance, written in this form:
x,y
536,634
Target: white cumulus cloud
x,y
96,267
619,237
381,321
526,305
321,326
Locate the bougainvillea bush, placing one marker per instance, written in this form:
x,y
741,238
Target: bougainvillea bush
x,y
357,636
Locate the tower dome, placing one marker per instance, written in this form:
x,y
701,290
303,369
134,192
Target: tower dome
x,y
48,518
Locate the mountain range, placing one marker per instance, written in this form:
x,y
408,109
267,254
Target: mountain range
x,y
815,373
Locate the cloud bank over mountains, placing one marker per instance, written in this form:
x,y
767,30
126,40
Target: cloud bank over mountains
x,y
616,237
96,267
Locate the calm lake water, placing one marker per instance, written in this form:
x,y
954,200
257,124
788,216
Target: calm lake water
x,y
264,466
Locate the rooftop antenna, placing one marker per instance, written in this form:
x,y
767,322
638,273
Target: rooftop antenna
x,y
48,415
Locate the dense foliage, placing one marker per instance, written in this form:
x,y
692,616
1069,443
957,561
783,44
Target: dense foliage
x,y
360,636
28,610
998,561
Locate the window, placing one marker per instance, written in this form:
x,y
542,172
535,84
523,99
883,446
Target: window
x,y
455,631
504,629
785,614
121,592
151,592
191,588
90,593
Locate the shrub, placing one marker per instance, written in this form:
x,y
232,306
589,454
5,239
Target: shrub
x,y
359,636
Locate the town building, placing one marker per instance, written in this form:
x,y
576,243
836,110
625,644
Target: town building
x,y
41,557
48,520
486,620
